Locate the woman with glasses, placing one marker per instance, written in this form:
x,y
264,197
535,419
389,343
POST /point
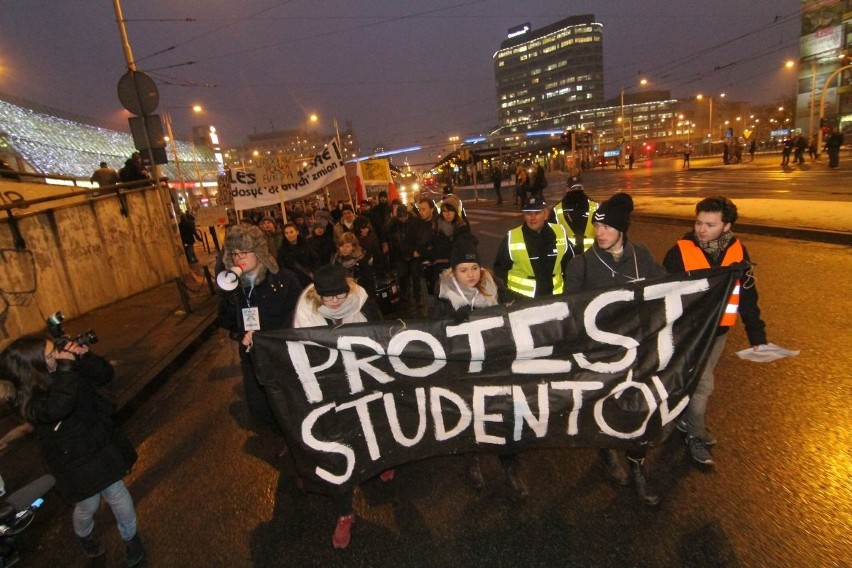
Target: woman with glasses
x,y
335,299
264,300
56,393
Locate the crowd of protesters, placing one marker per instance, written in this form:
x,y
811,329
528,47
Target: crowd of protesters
x,y
331,277
326,267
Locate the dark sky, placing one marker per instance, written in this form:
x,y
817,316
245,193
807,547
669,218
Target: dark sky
x,y
403,72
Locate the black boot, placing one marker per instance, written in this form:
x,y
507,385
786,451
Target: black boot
x,y
92,545
474,474
612,465
643,490
519,488
134,551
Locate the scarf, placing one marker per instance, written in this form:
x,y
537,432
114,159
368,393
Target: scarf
x,y
348,262
446,228
460,296
715,248
348,312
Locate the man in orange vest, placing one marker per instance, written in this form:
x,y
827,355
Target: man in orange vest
x,y
712,243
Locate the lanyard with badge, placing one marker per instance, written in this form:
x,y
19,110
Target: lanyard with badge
x,y
251,315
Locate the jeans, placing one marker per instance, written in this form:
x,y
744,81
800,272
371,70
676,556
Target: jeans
x,y
697,409
120,502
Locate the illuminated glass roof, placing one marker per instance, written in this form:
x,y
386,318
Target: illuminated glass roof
x,y
51,141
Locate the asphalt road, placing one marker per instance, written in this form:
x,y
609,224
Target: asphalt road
x,y
210,491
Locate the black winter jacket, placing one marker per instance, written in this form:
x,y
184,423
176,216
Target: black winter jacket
x,y
275,297
81,446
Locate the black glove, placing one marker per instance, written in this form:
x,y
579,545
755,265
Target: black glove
x,y
462,314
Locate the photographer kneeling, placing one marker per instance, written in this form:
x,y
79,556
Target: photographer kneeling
x,y
83,450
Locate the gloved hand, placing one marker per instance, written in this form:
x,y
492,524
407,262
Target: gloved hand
x,y
462,314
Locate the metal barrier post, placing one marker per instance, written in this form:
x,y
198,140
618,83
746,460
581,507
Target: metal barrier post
x,y
184,297
209,278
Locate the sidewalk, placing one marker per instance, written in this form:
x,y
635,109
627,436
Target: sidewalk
x,y
806,219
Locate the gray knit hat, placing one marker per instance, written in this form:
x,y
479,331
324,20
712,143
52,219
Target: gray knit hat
x,y
248,238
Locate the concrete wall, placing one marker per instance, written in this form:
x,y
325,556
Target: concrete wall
x,y
81,255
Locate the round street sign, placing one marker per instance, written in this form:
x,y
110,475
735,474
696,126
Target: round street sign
x,y
138,93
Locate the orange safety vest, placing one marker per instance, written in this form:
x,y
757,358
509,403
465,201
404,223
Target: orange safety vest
x,y
694,259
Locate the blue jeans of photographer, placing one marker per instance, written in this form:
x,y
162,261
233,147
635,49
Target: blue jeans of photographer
x,y
121,503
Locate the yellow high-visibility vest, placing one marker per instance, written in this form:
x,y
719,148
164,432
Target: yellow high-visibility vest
x,y
588,233
521,278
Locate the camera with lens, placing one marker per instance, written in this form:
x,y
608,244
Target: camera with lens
x,y
61,339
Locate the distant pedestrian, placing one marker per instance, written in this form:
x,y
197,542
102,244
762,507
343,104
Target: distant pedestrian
x,y
786,150
687,150
799,147
752,148
813,152
57,392
497,180
630,160
105,176
188,236
539,182
133,169
832,146
522,184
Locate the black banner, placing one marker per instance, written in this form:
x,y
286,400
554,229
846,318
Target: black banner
x,y
604,369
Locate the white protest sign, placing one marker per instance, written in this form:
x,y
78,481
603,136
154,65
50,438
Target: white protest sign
x,y
209,216
275,179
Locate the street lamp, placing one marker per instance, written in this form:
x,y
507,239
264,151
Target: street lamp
x,y
822,100
709,120
167,118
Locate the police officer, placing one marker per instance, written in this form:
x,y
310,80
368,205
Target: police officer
x,y
575,212
532,258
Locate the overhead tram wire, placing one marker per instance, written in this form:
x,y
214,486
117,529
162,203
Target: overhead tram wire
x,y
688,58
343,30
206,33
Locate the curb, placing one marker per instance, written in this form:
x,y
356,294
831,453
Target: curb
x,y
815,235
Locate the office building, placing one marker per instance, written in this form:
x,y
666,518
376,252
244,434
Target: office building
x,y
552,71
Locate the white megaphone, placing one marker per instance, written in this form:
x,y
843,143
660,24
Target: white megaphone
x,y
228,280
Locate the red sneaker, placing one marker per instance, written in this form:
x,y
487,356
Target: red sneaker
x,y
343,531
386,475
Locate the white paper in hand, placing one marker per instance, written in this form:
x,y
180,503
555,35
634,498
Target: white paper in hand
x,y
765,353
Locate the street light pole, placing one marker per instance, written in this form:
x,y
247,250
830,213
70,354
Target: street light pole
x,y
167,118
813,97
822,101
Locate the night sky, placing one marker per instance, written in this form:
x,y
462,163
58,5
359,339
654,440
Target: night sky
x,y
402,72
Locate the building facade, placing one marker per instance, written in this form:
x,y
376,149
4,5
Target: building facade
x,y
825,66
552,71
